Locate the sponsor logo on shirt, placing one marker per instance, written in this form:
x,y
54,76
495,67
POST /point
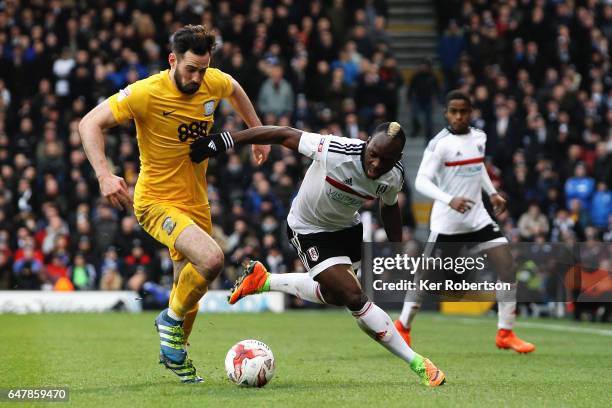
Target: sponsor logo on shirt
x,y
469,171
193,130
342,198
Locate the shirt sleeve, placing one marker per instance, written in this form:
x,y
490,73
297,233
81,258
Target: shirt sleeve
x,y
130,102
425,186
431,163
227,87
487,184
391,195
314,146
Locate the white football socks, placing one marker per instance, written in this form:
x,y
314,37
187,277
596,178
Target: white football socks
x,y
506,308
409,311
297,284
378,325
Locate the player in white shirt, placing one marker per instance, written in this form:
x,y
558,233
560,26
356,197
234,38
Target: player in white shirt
x,y
324,225
453,174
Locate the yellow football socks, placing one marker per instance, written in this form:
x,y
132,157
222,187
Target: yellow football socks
x,y
185,296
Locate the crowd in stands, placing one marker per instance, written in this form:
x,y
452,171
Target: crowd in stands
x,y
540,77
322,66
538,71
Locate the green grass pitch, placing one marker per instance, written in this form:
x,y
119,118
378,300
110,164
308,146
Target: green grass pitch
x,y
323,360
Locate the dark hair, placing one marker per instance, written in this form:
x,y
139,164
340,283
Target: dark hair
x,y
396,131
454,95
194,38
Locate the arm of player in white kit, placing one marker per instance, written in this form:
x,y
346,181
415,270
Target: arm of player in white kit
x,y
487,184
424,180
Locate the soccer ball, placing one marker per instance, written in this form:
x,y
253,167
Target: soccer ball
x,y
250,363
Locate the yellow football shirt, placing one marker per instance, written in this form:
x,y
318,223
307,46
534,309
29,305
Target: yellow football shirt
x,y
167,122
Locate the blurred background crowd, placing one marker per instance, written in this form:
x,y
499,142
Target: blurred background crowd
x,y
538,71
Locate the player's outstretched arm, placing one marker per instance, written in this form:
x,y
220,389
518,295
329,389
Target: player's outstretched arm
x,y
242,104
392,221
112,187
206,147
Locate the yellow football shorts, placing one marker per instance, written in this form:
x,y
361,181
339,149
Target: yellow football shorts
x,y
165,221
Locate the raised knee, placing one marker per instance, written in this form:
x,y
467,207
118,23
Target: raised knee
x,y
211,264
215,262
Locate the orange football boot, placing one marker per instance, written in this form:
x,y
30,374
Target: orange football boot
x,y
429,374
254,279
404,332
506,339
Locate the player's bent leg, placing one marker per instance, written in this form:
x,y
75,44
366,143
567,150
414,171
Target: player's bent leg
x,y
501,258
201,251
205,262
340,280
256,279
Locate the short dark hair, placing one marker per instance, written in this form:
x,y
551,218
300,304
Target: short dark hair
x,y
195,38
454,95
392,130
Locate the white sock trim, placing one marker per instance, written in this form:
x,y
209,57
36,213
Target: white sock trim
x,y
174,316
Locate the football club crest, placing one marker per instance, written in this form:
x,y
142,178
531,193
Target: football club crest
x,y
209,108
168,225
313,253
381,189
480,148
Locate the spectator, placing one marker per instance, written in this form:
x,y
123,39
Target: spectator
x,y
422,92
27,271
56,269
276,95
5,271
601,206
350,69
580,187
392,79
451,46
533,223
82,274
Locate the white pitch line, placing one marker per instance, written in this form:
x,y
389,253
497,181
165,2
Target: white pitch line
x,y
551,327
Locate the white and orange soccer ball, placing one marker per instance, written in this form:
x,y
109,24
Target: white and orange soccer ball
x,y
250,363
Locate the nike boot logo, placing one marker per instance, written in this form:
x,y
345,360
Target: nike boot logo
x,y
167,113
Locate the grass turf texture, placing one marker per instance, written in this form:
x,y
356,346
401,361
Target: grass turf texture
x,y
322,358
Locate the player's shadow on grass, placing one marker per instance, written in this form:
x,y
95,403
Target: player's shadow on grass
x,y
129,387
207,386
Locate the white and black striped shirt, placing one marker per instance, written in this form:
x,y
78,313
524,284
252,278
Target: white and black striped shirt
x,y
335,185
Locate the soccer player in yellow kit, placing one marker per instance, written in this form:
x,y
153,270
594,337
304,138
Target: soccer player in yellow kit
x,y
171,109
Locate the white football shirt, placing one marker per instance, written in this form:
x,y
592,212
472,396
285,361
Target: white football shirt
x,y
335,185
455,163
